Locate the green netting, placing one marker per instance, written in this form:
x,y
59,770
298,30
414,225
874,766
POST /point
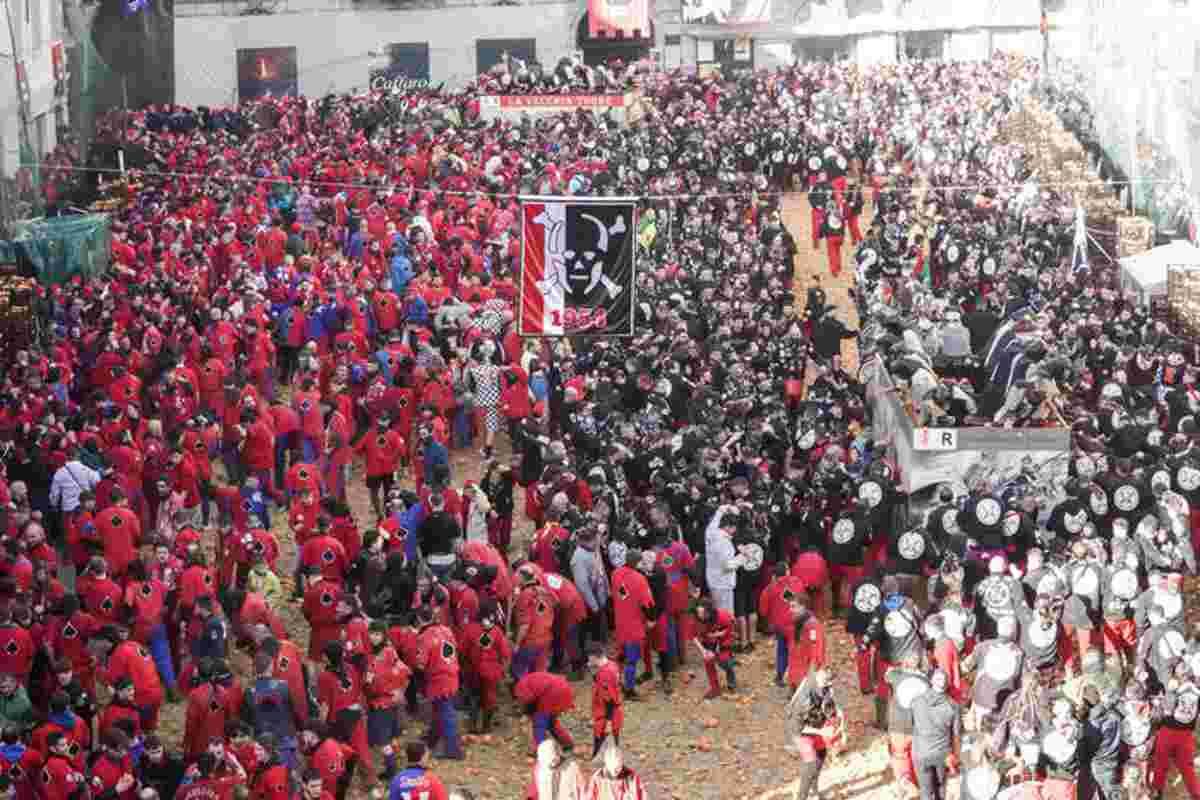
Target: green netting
x,y
61,247
94,76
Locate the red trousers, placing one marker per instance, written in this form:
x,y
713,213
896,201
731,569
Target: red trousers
x,y
811,748
834,245
487,694
900,756
1080,642
818,219
500,532
844,577
877,552
1058,789
862,660
855,232
1195,524
1174,747
883,689
1120,636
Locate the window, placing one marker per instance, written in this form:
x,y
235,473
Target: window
x,y
489,52
407,61
924,44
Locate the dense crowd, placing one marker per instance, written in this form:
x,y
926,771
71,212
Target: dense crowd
x,y
309,294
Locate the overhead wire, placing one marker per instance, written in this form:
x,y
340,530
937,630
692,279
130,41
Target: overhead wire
x,y
352,185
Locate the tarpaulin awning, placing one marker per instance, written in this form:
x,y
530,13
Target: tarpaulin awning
x,y
1146,273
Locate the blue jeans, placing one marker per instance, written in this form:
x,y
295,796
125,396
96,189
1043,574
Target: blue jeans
x,y
442,571
632,652
445,717
672,637
567,648
462,428
524,661
287,753
781,656
160,651
233,462
308,450
543,726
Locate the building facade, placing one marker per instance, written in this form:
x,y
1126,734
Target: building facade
x,y
225,47
32,79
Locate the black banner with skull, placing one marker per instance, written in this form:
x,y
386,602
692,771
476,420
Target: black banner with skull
x,y
577,267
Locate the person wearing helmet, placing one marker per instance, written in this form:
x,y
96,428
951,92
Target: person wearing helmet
x,y
556,774
614,780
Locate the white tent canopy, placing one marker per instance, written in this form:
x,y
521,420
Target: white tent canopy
x,y
1146,273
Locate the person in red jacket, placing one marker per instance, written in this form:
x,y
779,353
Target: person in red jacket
x,y
213,702
120,531
17,648
100,595
257,448
544,696
21,764
533,610
382,449
307,403
488,652
808,642
122,707
61,777
336,449
320,608
113,772
437,657
572,611
945,656
608,708
145,609
124,658
209,779
714,640
274,779
328,760
634,613
286,424
325,554
774,605
385,681
341,697
185,478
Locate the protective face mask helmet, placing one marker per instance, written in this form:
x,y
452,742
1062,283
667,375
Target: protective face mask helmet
x,y
614,762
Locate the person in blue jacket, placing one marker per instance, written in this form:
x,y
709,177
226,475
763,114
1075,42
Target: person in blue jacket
x,y
417,312
401,268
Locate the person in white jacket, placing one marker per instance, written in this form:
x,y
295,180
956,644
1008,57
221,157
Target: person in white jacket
x,y
721,558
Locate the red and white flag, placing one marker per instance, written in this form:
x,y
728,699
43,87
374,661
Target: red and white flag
x,y
577,267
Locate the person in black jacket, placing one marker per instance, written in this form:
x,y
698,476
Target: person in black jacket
x,y
827,337
1102,742
158,769
437,536
937,728
498,484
